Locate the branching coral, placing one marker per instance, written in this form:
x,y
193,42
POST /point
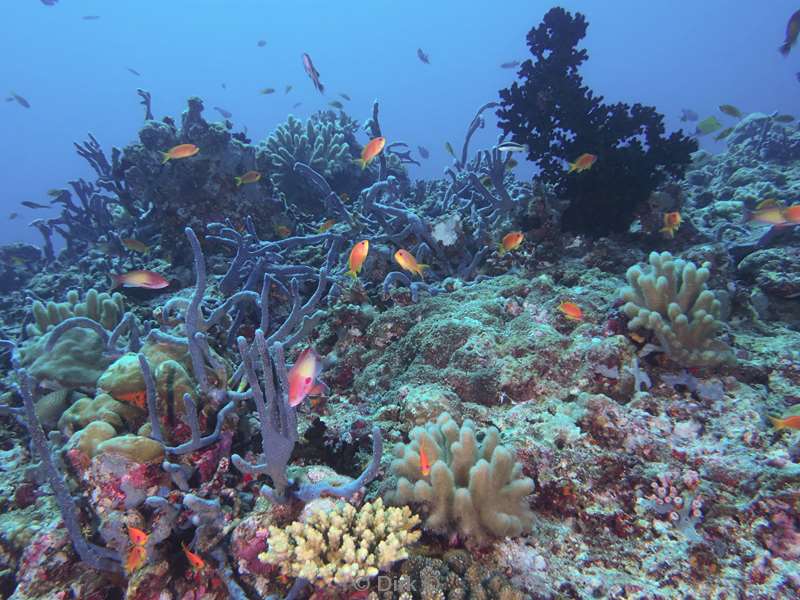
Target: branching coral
x,y
475,488
559,118
670,298
107,309
343,545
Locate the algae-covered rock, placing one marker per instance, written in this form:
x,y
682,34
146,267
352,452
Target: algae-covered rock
x,y
774,270
90,437
101,408
76,360
135,448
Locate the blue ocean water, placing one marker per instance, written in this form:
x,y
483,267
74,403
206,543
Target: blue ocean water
x,y
74,72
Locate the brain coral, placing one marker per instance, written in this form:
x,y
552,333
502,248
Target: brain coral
x,y
474,488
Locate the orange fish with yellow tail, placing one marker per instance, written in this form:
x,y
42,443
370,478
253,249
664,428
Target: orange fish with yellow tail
x,y
788,422
249,177
583,163
571,310
195,560
672,221
370,151
406,260
180,151
137,554
511,241
357,257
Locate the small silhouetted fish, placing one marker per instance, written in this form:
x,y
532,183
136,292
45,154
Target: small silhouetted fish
x,y
449,148
510,64
14,215
345,96
730,110
296,104
225,113
91,17
336,104
261,43
687,114
267,91
792,31
287,90
423,57
49,2
784,118
311,71
134,71
30,204
224,86
423,151
19,100
723,134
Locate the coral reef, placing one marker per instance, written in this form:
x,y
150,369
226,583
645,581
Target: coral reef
x,y
670,298
341,545
559,118
473,488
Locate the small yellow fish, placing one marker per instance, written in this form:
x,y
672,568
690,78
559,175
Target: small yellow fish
x,y
406,260
326,226
283,231
135,245
249,177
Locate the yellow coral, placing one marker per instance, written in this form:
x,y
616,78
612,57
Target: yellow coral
x,y
343,545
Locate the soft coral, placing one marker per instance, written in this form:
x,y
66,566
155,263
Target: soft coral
x,y
559,119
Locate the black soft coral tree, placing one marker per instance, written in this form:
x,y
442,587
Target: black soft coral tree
x,y
559,119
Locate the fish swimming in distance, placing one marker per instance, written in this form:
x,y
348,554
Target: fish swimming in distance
x,y
687,114
30,204
370,151
18,99
511,147
510,64
133,71
423,57
267,91
345,96
423,151
249,177
261,43
709,125
449,149
90,17
180,151
226,114
312,72
792,30
583,163
731,110
336,104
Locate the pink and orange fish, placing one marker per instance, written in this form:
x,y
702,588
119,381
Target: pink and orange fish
x,y
357,257
180,151
139,279
303,377
583,163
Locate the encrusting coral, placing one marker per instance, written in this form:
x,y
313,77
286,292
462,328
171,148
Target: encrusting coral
x,y
475,488
671,299
343,545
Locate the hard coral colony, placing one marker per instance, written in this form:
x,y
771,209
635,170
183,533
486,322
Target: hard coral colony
x,y
213,427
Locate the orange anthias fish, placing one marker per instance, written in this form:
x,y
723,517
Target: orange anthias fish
x,y
792,30
180,151
326,226
406,260
139,279
424,462
283,231
571,311
303,375
511,241
672,221
137,555
584,162
135,245
773,213
249,177
195,561
790,422
370,151
357,257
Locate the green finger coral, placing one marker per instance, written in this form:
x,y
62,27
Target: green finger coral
x,y
342,545
670,298
474,488
107,309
